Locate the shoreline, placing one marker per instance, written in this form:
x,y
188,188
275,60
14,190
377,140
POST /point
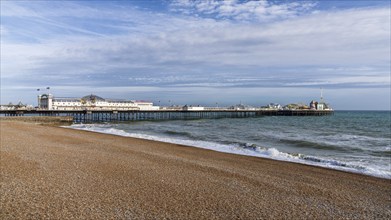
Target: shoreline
x,y
248,153
55,172
241,155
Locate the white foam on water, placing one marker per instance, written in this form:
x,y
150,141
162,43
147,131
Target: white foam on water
x,y
248,150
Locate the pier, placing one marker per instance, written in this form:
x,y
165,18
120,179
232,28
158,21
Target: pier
x,y
87,116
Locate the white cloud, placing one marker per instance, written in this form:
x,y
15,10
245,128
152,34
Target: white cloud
x,y
377,81
261,10
325,39
347,48
3,30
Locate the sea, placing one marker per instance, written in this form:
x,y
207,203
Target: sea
x,y
353,141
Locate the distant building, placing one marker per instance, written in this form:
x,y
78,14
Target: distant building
x,y
145,105
45,101
91,102
193,108
320,106
314,105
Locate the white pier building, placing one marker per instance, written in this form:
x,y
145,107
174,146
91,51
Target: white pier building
x,y
91,102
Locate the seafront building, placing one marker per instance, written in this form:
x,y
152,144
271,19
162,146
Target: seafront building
x,y
193,108
319,105
91,102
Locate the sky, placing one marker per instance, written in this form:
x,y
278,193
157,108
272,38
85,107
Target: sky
x,y
205,52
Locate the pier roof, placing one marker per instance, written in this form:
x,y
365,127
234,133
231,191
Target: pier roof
x,y
93,97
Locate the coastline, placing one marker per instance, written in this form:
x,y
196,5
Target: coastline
x,y
54,172
247,150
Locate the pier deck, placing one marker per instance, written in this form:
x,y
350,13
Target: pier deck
x,y
138,115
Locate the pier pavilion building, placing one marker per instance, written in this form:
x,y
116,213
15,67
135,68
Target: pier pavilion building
x,y
91,102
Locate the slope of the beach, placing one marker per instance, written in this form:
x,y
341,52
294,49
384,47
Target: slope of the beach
x,y
59,173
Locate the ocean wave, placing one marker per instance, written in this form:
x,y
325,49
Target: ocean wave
x,y
317,145
381,153
332,162
178,133
344,143
273,152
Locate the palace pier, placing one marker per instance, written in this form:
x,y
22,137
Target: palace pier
x,y
93,108
139,115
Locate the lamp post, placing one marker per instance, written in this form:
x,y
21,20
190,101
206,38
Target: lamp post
x,y
38,98
49,100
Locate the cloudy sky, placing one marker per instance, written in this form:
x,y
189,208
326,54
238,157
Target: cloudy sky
x,y
199,52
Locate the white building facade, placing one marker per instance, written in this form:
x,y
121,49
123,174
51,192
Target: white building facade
x,y
91,102
193,108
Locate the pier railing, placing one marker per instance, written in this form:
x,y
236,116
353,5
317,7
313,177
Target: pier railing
x,y
139,115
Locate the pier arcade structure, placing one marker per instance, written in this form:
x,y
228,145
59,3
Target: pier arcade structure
x,y
92,108
91,102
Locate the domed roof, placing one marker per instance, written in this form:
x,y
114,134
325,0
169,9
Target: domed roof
x,y
93,97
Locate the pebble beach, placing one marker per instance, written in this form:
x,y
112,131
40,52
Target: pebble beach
x,y
50,172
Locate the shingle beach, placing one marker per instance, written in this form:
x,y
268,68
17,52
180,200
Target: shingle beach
x,y
52,172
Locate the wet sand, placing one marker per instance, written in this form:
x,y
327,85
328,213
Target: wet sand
x,y
58,173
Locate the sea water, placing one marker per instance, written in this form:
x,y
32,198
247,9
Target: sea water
x,y
354,141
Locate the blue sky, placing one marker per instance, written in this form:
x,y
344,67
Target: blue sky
x,y
199,52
